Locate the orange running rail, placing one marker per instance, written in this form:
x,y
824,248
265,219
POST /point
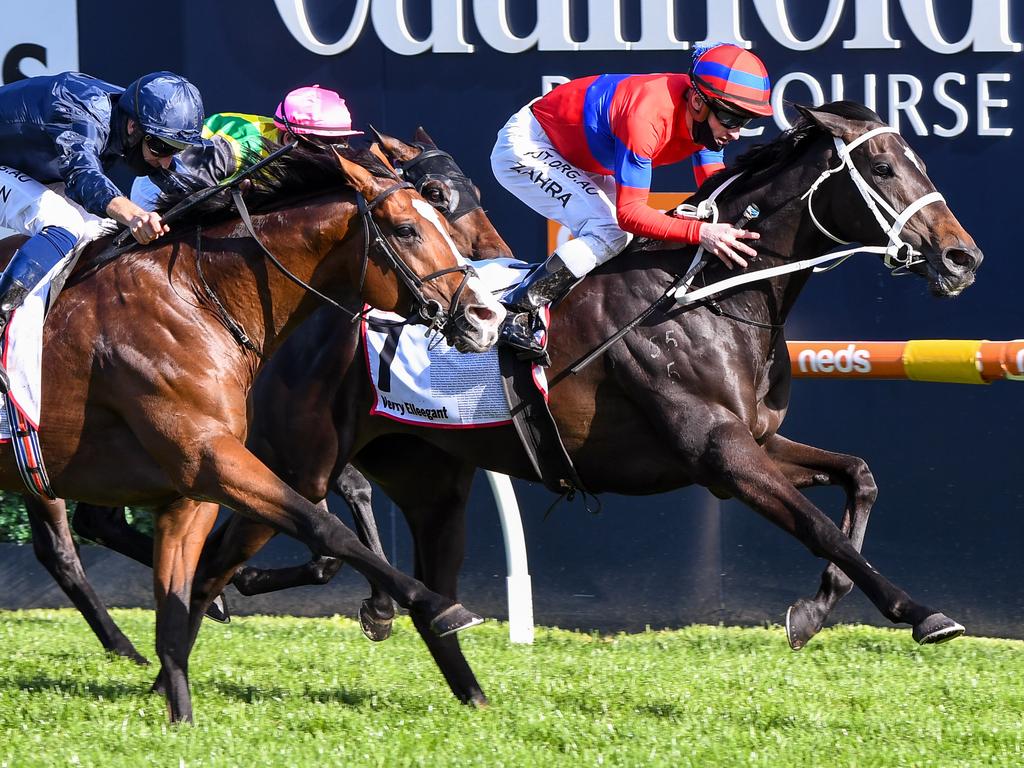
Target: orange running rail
x,y
959,361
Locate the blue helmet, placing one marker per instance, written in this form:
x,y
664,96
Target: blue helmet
x,y
167,106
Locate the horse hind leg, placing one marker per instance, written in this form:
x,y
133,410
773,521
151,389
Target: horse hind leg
x,y
377,612
56,550
805,466
733,460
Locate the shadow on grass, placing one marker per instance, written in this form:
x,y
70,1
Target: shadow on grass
x,y
252,694
249,694
92,689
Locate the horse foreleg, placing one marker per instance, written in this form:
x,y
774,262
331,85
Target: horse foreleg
x,y
236,478
805,466
181,530
55,549
733,460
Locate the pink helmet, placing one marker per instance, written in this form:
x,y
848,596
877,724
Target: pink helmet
x,y
315,111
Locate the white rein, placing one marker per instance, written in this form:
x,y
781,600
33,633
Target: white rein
x,y
898,254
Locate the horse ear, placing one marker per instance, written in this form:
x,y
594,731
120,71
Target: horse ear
x,y
841,127
423,137
377,152
360,179
397,151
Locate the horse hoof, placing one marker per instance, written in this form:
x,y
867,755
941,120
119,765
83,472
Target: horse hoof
x,y
136,657
452,619
218,610
375,627
477,700
937,628
801,624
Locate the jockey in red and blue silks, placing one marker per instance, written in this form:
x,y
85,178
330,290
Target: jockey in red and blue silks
x,y
583,155
59,136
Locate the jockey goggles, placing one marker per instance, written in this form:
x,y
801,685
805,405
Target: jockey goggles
x,y
160,147
727,117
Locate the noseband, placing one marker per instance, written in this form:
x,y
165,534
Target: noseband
x,y
438,165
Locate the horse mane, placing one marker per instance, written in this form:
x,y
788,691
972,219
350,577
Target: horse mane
x,y
764,159
307,169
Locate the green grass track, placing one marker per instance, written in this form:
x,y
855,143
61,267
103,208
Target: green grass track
x,y
312,692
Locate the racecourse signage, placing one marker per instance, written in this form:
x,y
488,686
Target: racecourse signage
x,y
967,99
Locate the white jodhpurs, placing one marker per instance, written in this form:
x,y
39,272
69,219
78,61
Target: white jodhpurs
x,y
526,163
27,206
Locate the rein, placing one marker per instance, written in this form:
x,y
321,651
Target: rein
x,y
429,311
898,255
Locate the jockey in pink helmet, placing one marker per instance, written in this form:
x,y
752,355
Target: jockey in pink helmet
x,y
583,155
311,112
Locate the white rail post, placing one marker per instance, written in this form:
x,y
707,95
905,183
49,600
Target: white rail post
x,y
520,590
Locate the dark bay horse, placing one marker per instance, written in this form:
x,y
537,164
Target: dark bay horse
x,y
440,181
694,395
147,372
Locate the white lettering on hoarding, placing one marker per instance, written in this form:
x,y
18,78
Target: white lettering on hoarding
x,y
954,106
985,103
904,95
775,18
988,30
846,360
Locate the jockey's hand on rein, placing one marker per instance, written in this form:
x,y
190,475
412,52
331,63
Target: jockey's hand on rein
x,y
147,227
725,242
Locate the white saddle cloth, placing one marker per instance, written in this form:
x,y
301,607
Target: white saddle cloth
x,y
23,353
420,379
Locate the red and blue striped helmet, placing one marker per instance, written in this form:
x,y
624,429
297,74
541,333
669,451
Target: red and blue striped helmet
x,y
734,77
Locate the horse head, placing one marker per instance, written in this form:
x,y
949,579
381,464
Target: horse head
x,y
440,180
879,194
413,263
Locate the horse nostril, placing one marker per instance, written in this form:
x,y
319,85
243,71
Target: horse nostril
x,y
961,259
483,314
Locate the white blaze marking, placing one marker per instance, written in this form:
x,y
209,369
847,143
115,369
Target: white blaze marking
x,y
427,211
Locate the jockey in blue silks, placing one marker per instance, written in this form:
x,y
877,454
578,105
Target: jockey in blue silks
x,y
59,135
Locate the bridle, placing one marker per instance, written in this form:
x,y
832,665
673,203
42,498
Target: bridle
x,y
899,255
437,165
428,312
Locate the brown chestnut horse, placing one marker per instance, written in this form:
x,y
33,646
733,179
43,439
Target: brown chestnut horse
x,y
146,383
439,180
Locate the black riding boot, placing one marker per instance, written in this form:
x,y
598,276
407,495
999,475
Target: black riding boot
x,y
549,282
30,264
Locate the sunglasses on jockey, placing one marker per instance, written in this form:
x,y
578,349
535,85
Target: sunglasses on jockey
x,y
727,117
159,147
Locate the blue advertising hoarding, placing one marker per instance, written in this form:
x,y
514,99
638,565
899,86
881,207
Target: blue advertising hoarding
x,y
948,521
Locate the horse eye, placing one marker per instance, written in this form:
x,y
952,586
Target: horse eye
x,y
435,195
405,231
883,170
